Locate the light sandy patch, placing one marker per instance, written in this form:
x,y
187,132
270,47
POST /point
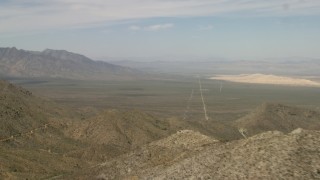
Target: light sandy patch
x,y
266,79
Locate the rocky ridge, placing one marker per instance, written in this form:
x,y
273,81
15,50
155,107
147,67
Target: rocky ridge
x,y
269,155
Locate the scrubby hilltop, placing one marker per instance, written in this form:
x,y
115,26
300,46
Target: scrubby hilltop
x,y
273,116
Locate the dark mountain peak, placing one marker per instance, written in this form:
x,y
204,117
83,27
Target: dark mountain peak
x,y
54,50
11,52
8,49
58,52
66,55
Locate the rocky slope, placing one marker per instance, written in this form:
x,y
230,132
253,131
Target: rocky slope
x,y
272,116
126,129
32,141
190,155
21,111
39,139
58,64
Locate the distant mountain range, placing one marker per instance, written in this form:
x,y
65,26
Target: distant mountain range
x,y
58,64
285,66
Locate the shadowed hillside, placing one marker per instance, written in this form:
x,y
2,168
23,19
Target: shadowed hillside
x,y
121,128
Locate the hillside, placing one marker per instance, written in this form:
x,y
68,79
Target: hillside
x,y
126,129
36,142
40,139
58,64
271,116
32,141
190,155
132,128
21,111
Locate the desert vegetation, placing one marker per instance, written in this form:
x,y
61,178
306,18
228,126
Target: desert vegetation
x,y
121,130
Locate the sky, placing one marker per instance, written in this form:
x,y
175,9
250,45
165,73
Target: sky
x,y
106,29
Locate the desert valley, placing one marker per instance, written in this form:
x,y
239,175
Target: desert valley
x,y
159,89
143,125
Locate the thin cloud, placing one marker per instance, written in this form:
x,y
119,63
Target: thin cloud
x,y
155,27
31,15
158,27
135,28
206,28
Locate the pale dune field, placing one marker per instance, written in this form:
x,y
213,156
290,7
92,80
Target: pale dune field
x,y
266,79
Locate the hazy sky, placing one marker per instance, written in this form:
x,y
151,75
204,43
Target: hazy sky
x,y
150,28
